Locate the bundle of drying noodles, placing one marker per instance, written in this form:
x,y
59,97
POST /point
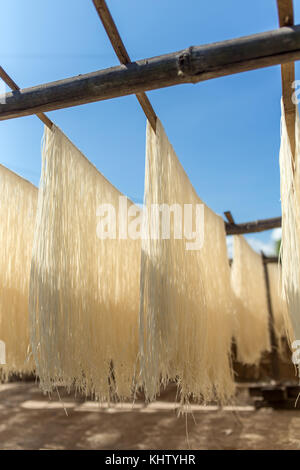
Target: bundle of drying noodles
x,y
84,286
290,244
18,203
186,300
248,282
279,307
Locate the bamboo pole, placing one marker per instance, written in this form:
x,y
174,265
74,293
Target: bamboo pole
x,y
191,65
122,54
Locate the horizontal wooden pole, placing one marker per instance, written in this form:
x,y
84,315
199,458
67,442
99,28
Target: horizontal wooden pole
x,y
253,227
191,65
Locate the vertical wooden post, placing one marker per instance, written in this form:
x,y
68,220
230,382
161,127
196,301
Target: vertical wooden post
x,y
286,18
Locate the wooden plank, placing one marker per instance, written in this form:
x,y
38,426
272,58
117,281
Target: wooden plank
x,y
285,12
253,227
122,54
45,119
286,18
191,65
9,82
229,217
112,31
147,108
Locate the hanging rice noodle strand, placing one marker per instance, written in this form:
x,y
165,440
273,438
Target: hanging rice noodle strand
x,y
290,244
18,203
279,306
186,303
84,289
248,281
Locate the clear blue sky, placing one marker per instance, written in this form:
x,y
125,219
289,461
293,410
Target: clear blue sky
x,y
225,131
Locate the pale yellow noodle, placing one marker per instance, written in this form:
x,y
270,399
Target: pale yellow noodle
x,y
84,291
18,203
248,282
186,300
279,305
290,205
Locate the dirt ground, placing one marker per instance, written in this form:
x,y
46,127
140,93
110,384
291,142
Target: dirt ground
x,y
29,420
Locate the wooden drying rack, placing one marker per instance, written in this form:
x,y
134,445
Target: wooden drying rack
x,y
191,65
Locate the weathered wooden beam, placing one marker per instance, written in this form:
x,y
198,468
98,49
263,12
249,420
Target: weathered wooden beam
x,y
10,82
122,54
286,18
252,227
191,65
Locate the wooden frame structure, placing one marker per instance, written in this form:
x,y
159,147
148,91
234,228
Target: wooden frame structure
x,y
191,65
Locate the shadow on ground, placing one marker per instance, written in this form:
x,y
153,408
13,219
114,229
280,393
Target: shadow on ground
x,y
29,420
